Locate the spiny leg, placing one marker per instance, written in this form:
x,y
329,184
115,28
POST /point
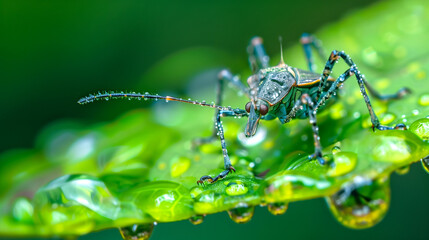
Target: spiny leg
x,y
258,58
219,127
308,41
387,97
223,76
305,99
335,55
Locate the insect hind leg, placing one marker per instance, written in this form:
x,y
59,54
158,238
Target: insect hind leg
x,y
401,93
353,70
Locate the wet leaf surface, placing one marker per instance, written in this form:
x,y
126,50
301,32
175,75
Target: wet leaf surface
x,y
137,170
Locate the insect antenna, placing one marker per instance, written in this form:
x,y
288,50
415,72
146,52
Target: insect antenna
x,y
139,96
282,62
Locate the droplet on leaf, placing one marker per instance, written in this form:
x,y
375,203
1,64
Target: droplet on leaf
x,y
235,189
180,166
421,128
344,162
424,100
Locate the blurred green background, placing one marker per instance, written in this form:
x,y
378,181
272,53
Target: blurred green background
x,y
54,52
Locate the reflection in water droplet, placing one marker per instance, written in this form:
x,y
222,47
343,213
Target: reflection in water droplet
x,y
403,170
336,149
424,100
260,135
180,166
197,219
235,189
241,214
278,208
137,231
425,163
421,128
361,204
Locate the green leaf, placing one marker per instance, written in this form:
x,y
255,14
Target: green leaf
x,y
137,170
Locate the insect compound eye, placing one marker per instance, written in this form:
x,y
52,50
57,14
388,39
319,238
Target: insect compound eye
x,y
263,109
247,107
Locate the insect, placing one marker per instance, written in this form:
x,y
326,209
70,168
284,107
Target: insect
x,y
280,91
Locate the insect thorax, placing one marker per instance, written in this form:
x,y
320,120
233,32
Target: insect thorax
x,y
275,84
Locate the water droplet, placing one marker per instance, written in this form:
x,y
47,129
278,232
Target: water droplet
x,y
344,162
361,204
415,112
180,166
336,149
197,219
195,191
260,135
387,118
278,208
392,149
424,100
137,231
235,189
22,210
241,214
425,163
421,128
371,57
403,170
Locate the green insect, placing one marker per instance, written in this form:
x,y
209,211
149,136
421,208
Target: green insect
x,y
281,91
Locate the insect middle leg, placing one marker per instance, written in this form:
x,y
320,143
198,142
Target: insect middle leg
x,y
223,76
353,70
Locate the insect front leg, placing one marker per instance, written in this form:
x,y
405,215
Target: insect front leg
x,y
220,132
353,70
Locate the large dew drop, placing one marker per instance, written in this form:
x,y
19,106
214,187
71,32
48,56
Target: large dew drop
x,y
137,231
361,204
180,166
278,208
421,128
241,214
424,100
